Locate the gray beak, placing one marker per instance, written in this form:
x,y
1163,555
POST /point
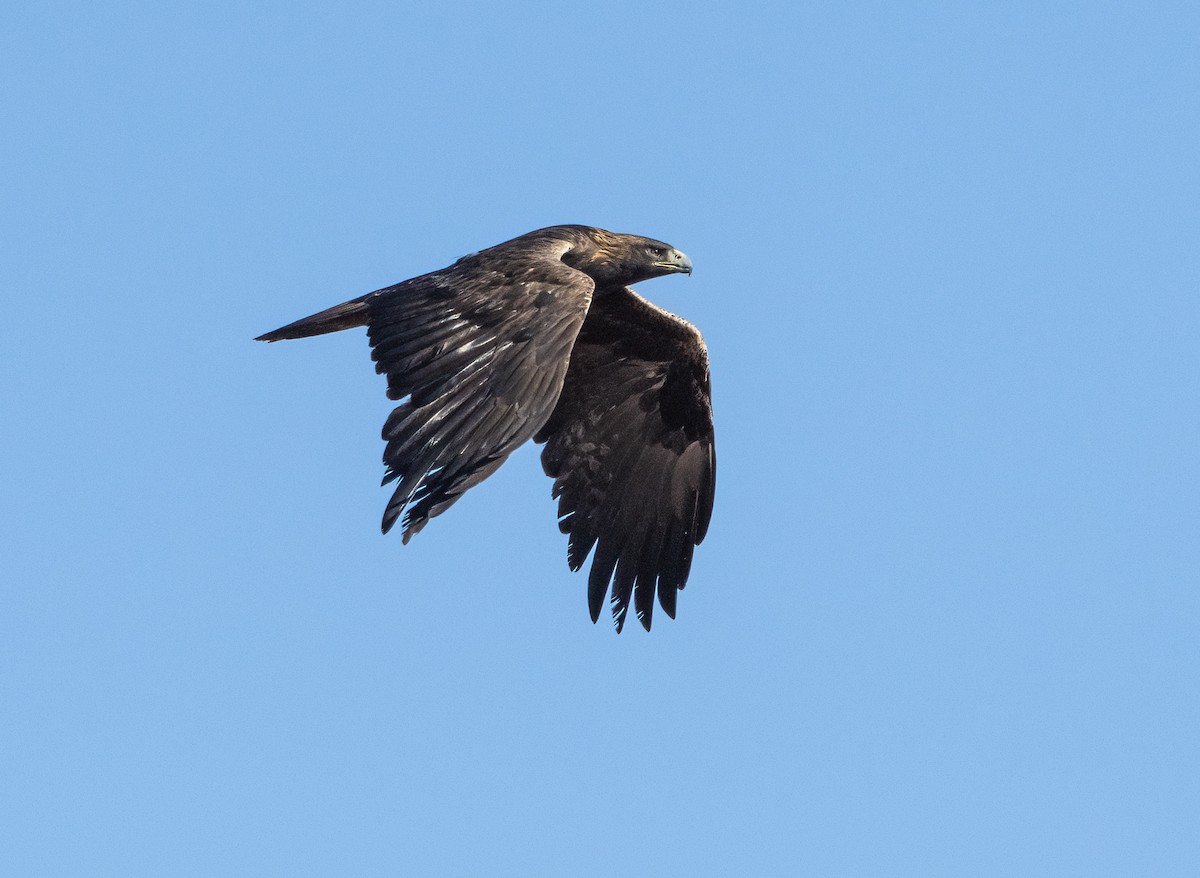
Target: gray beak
x,y
676,261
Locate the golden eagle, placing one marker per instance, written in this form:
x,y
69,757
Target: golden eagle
x,y
541,338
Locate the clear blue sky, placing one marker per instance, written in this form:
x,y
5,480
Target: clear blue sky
x,y
946,620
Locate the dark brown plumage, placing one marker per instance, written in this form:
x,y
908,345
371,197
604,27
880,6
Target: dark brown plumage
x,y
541,338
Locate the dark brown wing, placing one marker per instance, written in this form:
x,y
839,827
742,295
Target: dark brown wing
x,y
477,354
630,447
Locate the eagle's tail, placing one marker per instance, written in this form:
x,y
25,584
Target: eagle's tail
x,y
344,316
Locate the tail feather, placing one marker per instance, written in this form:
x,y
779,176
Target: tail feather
x,y
344,316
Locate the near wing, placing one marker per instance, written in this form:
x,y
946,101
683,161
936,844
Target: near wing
x,y
477,353
630,447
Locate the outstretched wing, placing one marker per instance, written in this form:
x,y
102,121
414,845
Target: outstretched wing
x,y
630,447
477,354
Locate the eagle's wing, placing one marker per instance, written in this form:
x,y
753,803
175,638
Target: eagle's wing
x,y
630,447
477,354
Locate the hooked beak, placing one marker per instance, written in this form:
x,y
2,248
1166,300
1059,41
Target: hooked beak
x,y
676,262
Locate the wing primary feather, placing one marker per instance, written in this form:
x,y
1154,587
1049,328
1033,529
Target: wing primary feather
x,y
622,584
598,577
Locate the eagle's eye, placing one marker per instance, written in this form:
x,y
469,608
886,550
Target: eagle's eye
x,y
658,252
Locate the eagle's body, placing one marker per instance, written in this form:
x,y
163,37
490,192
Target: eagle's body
x,y
541,338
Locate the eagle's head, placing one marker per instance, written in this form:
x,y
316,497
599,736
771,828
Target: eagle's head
x,y
613,259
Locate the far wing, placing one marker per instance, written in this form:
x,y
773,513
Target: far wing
x,y
630,447
477,354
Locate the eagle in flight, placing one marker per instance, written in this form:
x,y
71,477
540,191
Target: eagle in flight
x,y
542,338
